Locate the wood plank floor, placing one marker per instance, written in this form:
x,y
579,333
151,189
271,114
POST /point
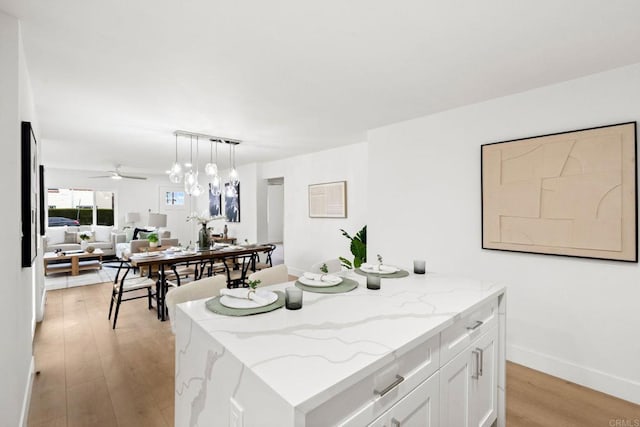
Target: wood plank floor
x,y
91,375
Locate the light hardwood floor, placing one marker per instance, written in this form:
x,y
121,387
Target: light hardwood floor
x,y
91,375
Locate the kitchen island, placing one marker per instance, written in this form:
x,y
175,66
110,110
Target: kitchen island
x,y
423,350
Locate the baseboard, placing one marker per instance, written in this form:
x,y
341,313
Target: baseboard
x,y
26,401
601,381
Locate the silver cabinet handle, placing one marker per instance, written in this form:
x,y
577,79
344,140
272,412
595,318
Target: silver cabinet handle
x,y
395,423
481,351
390,387
475,326
477,374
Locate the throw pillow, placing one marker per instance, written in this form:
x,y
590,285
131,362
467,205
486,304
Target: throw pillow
x,y
55,235
143,235
70,237
102,233
128,233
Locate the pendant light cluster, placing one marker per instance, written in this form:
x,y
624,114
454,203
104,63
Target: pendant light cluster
x,y
191,174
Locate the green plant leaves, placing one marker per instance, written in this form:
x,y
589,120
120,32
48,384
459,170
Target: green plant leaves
x,y
358,248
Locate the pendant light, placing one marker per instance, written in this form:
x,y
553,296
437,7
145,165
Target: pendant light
x,y
196,189
211,169
189,176
234,178
215,178
175,176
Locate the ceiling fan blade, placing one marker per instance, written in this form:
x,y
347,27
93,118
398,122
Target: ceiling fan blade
x,y
101,176
132,177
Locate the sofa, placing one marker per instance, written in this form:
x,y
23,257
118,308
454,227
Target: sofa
x,y
67,238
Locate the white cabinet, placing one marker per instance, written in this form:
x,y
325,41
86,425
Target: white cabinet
x,y
418,409
469,384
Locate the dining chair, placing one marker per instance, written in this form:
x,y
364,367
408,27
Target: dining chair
x,y
268,262
169,242
333,266
271,276
199,289
236,267
123,284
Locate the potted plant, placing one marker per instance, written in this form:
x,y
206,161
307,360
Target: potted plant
x,y
84,239
153,240
204,235
358,248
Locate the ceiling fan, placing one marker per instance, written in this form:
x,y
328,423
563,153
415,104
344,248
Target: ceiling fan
x,y
115,174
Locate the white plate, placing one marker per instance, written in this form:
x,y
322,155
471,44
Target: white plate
x,y
376,271
189,252
317,283
147,255
269,297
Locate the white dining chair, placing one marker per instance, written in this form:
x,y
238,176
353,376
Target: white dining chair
x,y
271,276
204,288
333,266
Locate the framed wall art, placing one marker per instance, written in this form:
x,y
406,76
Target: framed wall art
x,y
215,202
232,202
29,194
328,200
571,193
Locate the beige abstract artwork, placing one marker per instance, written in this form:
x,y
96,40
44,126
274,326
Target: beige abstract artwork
x,y
571,194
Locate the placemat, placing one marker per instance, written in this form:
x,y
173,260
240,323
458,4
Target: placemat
x,y
345,286
396,275
214,305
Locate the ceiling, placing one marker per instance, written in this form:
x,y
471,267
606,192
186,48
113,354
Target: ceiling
x,y
113,79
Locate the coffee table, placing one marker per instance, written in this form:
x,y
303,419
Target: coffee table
x,y
72,262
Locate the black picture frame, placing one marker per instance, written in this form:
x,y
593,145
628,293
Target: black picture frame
x,y
635,194
29,194
232,202
43,207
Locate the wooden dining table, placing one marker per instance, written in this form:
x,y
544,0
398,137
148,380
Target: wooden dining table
x,y
164,260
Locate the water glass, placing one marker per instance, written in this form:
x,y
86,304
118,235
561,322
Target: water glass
x,y
419,266
373,281
293,298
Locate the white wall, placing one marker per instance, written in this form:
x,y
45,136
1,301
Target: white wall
x,y
574,318
17,314
275,212
310,240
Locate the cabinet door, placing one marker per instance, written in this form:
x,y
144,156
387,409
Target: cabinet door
x,y
484,389
455,385
417,409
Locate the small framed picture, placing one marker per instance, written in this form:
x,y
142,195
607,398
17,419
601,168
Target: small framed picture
x,y
328,200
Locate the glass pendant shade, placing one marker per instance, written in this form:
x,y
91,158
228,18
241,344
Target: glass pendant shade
x,y
175,178
233,177
196,189
187,188
211,169
190,178
176,168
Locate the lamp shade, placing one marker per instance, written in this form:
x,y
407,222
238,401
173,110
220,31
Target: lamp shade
x,y
133,217
157,220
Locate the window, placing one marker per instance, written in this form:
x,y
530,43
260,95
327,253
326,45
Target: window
x,y
70,206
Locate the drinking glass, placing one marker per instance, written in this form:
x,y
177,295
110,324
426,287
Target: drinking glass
x,y
293,298
419,266
373,281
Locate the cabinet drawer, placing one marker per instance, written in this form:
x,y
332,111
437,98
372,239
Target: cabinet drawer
x,y
364,401
458,336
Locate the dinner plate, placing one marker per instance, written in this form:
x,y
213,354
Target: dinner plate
x,y
317,283
148,255
269,297
189,252
376,271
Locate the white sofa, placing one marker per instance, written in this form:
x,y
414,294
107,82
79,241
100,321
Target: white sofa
x,y
66,238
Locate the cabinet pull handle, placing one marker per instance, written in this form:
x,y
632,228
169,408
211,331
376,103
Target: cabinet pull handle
x,y
395,423
475,326
481,351
390,387
477,374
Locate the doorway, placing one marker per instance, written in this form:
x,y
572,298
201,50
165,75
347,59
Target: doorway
x,y
275,217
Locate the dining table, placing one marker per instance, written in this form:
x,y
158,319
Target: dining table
x,y
162,261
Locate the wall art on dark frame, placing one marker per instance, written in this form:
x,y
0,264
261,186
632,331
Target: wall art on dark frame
x,y
570,194
29,194
41,193
232,202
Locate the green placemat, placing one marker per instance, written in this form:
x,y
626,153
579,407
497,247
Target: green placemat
x,y
214,305
396,275
345,286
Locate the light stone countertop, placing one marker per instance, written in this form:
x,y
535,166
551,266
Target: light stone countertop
x,y
308,355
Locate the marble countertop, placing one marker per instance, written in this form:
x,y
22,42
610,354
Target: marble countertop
x,y
308,355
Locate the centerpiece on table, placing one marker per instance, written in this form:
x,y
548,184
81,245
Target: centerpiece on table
x,y
204,235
